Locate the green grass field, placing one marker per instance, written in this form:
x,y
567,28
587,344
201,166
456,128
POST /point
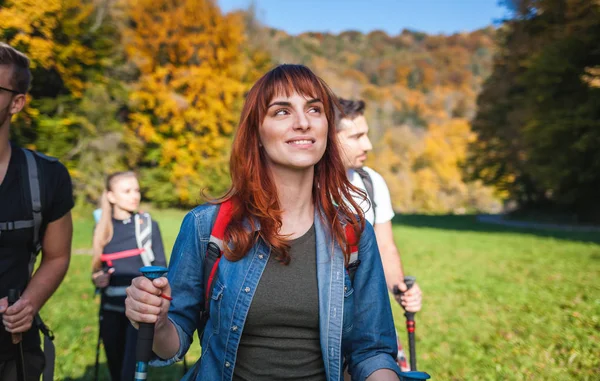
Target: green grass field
x,y
500,304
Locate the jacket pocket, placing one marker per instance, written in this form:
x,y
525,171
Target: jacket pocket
x,y
215,306
348,305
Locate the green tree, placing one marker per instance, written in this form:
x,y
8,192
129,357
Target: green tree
x,y
538,122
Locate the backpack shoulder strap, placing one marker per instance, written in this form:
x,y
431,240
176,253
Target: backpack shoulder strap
x,y
36,200
354,261
368,181
143,236
214,251
36,204
351,238
45,157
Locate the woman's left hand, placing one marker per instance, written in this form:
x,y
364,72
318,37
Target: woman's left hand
x,y
101,278
411,299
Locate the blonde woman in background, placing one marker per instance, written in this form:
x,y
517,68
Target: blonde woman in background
x,y
124,241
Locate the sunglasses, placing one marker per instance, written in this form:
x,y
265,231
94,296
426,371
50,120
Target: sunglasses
x,y
9,90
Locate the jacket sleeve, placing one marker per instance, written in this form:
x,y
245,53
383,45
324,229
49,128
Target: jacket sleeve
x,y
187,286
157,246
371,344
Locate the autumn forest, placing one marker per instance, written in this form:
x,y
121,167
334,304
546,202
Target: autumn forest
x,y
469,122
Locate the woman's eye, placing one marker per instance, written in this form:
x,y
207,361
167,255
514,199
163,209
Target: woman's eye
x,y
315,109
280,112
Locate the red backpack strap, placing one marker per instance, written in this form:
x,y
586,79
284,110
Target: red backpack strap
x,y
354,261
214,250
351,238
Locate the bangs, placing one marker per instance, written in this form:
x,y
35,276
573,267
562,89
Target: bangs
x,y
285,80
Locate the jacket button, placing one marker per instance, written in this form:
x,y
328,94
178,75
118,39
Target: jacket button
x,y
346,288
234,328
260,256
247,289
227,364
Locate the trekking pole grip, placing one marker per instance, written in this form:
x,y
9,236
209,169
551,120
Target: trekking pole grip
x,y
143,350
13,297
410,281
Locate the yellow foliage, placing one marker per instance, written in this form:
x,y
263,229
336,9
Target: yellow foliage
x,y
186,100
423,169
36,24
402,72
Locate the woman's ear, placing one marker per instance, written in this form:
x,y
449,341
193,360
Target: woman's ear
x,y
110,196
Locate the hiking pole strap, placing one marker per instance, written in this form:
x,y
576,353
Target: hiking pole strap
x,y
50,355
49,350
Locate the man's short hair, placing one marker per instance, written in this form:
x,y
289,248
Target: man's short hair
x,y
21,75
351,109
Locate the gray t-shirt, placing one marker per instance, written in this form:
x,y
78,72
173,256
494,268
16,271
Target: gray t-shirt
x,y
280,340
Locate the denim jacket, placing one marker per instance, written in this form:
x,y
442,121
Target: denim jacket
x,y
355,321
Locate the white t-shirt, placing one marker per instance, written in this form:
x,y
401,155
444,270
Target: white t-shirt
x,y
385,212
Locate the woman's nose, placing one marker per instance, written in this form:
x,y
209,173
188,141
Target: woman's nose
x,y
302,122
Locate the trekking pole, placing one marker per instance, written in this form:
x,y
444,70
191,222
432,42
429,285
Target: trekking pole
x,y
143,351
97,365
410,323
13,296
105,269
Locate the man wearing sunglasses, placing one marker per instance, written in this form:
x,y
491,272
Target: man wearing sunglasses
x,y
36,198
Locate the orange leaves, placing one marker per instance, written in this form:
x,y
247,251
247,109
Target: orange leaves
x,y
186,99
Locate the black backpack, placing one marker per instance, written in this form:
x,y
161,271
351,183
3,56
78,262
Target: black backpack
x,y
34,194
366,178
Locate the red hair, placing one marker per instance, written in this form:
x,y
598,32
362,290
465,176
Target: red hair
x,y
253,188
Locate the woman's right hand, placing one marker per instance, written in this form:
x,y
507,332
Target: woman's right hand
x,y
144,304
101,278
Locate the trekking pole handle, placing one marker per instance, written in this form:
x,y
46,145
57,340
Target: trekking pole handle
x,y
13,296
409,281
143,350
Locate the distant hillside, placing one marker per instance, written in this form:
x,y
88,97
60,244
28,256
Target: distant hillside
x,y
358,64
421,93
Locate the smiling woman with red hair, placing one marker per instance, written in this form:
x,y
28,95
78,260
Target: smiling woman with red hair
x,y
288,300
